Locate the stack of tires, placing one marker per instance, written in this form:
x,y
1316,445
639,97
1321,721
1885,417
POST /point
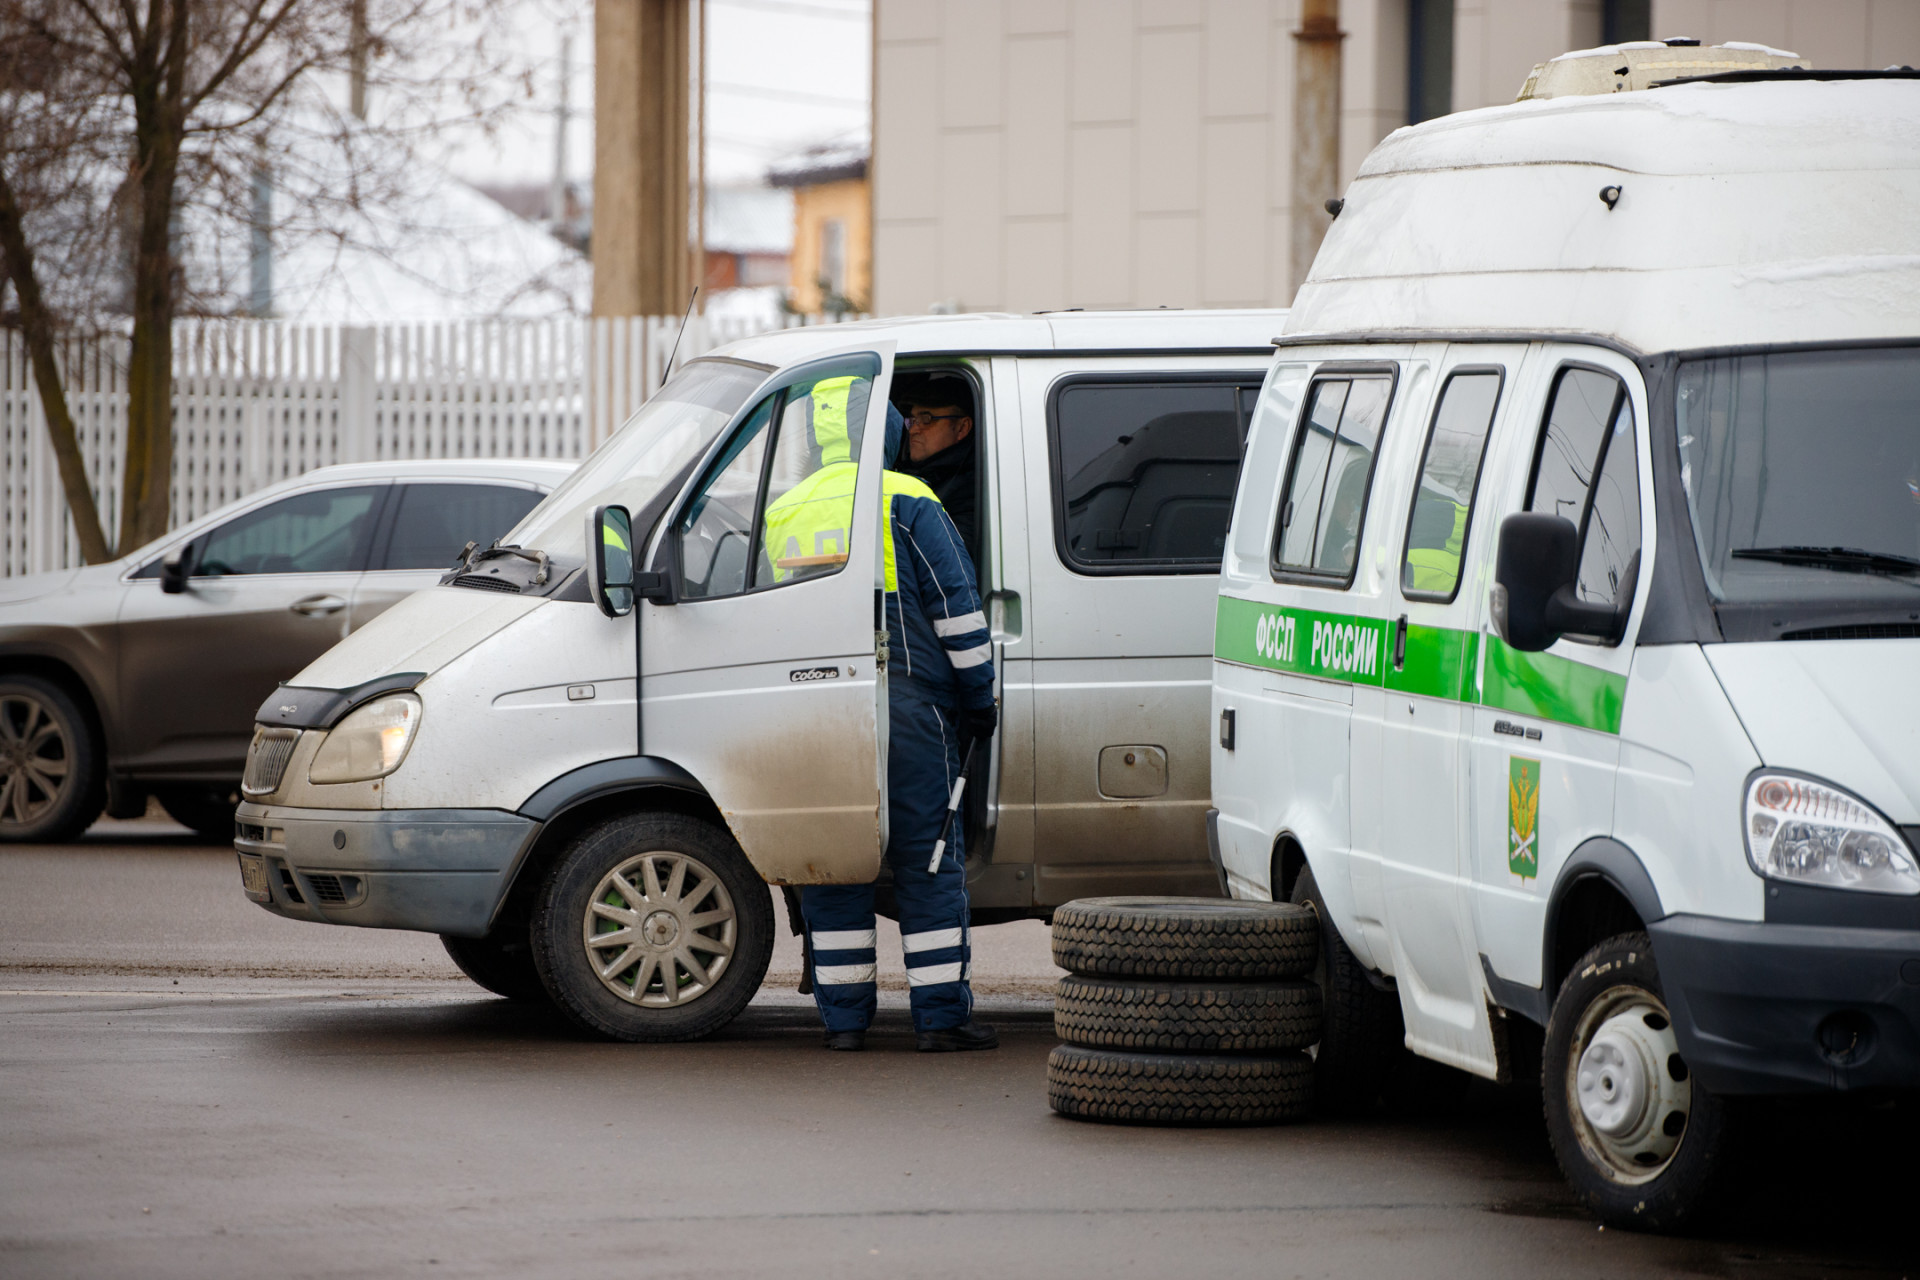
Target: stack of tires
x,y
1189,1011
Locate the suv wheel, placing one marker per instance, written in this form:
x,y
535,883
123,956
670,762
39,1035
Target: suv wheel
x,y
206,809
1639,1139
653,927
52,785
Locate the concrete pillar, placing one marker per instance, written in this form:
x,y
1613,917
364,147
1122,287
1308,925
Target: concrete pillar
x,y
1316,129
642,241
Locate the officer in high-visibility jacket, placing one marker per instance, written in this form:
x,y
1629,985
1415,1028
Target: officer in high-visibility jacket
x,y
940,699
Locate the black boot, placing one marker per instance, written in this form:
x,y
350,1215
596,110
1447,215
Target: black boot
x,y
968,1035
847,1041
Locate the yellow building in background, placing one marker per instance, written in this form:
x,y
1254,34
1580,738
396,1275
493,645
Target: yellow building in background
x,y
832,261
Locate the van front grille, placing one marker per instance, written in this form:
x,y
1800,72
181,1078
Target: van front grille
x,y
267,760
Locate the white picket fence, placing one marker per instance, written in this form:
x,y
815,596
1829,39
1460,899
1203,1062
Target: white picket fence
x,y
256,401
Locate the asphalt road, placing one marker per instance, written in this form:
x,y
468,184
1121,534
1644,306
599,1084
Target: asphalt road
x,y
190,1086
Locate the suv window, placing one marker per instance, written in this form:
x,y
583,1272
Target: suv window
x,y
1324,502
777,504
1145,470
1449,477
435,521
1586,469
325,531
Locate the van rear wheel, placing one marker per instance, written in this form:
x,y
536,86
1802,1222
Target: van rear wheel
x,y
1361,1036
651,928
1639,1139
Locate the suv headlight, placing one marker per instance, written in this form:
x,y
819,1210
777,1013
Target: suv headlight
x,y
1813,833
370,743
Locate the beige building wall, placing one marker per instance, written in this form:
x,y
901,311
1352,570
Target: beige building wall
x,y
1040,154
1833,34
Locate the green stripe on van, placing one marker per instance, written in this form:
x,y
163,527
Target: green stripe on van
x,y
1440,662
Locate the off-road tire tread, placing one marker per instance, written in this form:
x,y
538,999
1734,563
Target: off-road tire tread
x,y
1184,938
1192,1016
1178,1089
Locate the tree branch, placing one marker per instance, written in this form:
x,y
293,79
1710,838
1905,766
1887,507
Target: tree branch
x,y
37,326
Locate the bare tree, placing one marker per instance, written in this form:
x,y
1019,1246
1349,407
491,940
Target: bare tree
x,y
116,114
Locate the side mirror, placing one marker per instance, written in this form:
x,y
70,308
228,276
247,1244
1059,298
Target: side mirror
x,y
1533,600
610,560
173,571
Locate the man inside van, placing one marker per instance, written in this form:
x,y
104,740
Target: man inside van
x,y
940,702
940,448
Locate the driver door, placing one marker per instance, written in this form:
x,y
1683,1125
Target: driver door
x,y
761,677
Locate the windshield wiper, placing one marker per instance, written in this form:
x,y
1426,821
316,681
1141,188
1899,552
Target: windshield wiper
x,y
1842,559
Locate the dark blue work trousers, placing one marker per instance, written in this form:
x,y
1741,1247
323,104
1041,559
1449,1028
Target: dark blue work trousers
x,y
923,759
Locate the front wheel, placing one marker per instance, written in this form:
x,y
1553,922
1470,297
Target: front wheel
x,y
1640,1140
653,927
52,780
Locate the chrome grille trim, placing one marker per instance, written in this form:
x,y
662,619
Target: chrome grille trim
x,y
267,760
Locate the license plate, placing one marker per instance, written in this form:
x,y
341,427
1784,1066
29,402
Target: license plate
x,y
253,878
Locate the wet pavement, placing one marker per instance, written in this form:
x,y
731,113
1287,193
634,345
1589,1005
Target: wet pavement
x,y
192,1087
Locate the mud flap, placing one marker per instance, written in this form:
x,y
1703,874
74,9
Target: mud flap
x,y
797,922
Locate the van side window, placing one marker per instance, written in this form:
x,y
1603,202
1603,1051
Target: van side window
x,y
1449,477
777,506
1145,472
1586,470
1325,498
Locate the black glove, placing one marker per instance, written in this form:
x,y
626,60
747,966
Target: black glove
x,y
977,723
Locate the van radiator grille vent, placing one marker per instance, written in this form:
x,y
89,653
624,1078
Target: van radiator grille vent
x,y
481,582
1860,631
267,760
326,888
292,889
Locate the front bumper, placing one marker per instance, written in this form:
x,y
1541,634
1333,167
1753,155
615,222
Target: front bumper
x,y
1792,1008
436,870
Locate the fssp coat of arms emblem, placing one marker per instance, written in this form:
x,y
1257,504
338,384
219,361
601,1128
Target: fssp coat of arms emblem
x,y
1523,817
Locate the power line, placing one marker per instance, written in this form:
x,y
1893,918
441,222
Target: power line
x,y
785,95
796,6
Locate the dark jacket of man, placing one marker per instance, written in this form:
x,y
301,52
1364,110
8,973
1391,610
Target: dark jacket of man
x,y
950,474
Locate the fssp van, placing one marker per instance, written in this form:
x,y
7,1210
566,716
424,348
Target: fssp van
x,y
580,756
1567,656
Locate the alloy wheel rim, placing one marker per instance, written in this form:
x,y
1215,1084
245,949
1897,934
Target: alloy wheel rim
x,y
659,929
1629,1092
34,758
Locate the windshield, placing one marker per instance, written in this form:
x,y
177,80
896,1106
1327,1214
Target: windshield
x,y
668,432
1802,473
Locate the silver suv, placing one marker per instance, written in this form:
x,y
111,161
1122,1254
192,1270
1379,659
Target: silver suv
x,y
142,676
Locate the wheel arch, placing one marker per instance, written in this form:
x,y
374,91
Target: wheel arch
x,y
1603,890
70,677
1283,872
591,794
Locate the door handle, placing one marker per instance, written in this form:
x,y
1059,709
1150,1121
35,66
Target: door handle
x,y
315,606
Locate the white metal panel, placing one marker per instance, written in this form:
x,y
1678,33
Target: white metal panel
x,y
798,768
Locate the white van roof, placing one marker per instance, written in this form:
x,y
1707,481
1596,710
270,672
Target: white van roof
x,y
1742,213
1249,331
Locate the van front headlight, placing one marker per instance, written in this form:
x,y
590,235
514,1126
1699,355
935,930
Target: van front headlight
x,y
370,743
1813,833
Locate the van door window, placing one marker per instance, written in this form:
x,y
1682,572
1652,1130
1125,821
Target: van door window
x,y
1449,477
1325,502
1145,472
1586,469
778,506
